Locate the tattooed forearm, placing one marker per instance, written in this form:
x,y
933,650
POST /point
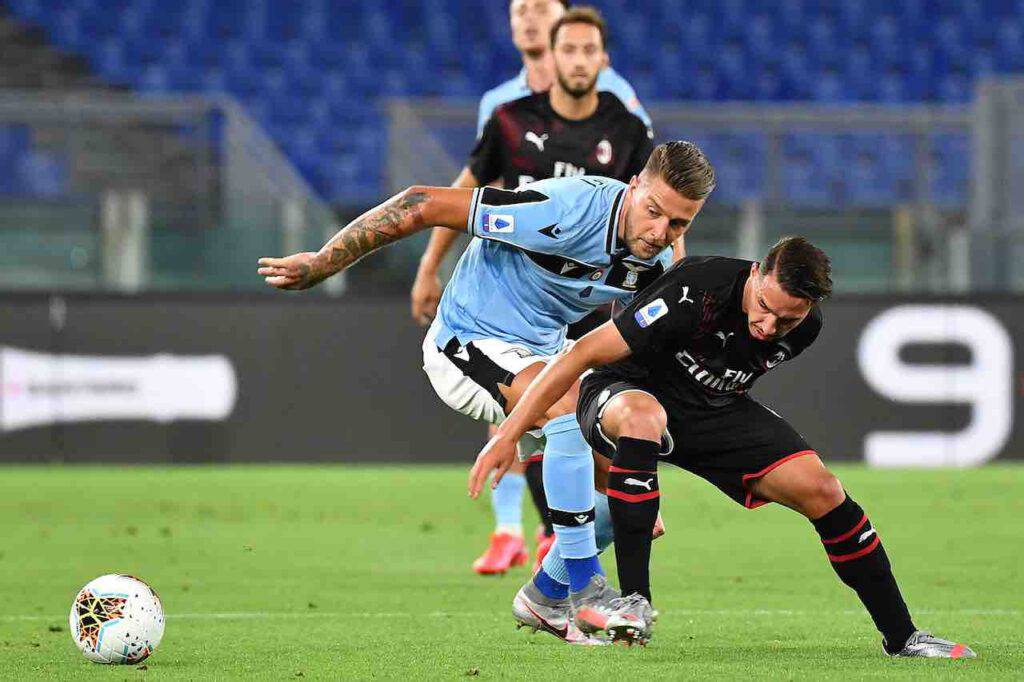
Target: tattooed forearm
x,y
397,218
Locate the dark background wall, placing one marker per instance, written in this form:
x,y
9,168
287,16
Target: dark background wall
x,y
340,380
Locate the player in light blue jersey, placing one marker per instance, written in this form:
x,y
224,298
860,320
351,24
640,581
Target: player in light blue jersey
x,y
541,258
530,23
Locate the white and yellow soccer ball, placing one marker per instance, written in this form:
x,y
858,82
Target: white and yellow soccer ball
x,y
117,619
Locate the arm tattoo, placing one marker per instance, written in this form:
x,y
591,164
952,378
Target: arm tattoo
x,y
389,222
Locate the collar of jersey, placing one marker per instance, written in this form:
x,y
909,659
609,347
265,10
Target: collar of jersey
x,y
612,244
521,79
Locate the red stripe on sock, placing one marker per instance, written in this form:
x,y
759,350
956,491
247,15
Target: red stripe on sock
x,y
536,458
642,497
847,535
840,558
619,470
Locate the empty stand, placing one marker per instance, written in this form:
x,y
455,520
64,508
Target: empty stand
x,y
311,71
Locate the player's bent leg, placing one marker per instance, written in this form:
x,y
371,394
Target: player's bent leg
x,y
855,551
635,421
568,483
568,475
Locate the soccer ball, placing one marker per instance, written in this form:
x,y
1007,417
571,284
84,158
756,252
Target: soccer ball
x,y
117,619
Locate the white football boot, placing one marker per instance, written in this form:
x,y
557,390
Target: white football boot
x,y
926,645
532,609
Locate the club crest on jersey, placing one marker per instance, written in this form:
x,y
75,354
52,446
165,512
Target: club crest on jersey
x,y
604,152
651,313
497,223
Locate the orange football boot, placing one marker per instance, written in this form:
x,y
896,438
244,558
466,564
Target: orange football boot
x,y
504,552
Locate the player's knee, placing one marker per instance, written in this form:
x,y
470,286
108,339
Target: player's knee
x,y
644,420
825,495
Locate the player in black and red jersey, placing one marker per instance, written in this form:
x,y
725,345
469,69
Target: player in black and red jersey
x,y
671,383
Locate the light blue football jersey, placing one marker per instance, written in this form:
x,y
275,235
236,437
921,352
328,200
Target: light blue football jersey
x,y
515,88
542,257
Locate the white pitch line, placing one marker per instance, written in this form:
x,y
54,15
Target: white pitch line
x,y
249,615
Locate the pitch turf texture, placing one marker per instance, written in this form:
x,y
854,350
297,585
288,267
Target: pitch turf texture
x,y
360,572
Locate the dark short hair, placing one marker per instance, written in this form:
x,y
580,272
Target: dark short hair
x,y
683,166
565,3
802,269
583,14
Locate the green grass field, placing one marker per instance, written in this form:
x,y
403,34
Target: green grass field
x,y
359,572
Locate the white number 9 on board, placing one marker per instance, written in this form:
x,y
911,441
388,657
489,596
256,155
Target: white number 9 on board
x,y
985,383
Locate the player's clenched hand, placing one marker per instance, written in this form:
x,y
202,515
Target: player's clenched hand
x,y
426,295
498,455
659,527
297,271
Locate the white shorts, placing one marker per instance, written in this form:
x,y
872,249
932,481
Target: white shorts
x,y
467,377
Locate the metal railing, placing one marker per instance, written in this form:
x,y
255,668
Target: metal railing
x,y
190,187
872,184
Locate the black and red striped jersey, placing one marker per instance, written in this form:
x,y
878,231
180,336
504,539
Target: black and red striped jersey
x,y
526,140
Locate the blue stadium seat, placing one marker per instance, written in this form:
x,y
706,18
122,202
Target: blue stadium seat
x,y
829,87
184,79
42,174
28,10
154,78
15,140
760,37
949,169
884,38
214,81
1009,45
823,40
804,184
795,71
953,88
865,180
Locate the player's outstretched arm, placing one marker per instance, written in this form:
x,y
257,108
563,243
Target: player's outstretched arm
x,y
404,214
600,347
426,289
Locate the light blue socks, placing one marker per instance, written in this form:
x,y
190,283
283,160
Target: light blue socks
x,y
569,486
507,503
554,565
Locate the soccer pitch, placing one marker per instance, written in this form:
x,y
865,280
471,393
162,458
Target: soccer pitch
x,y
357,572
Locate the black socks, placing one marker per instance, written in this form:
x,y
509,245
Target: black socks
x,y
856,553
535,481
634,499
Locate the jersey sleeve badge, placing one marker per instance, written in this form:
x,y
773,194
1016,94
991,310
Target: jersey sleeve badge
x,y
496,223
651,313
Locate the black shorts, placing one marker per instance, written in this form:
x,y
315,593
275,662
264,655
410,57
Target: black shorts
x,y
730,447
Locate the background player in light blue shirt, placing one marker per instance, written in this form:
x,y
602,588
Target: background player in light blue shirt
x,y
543,257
